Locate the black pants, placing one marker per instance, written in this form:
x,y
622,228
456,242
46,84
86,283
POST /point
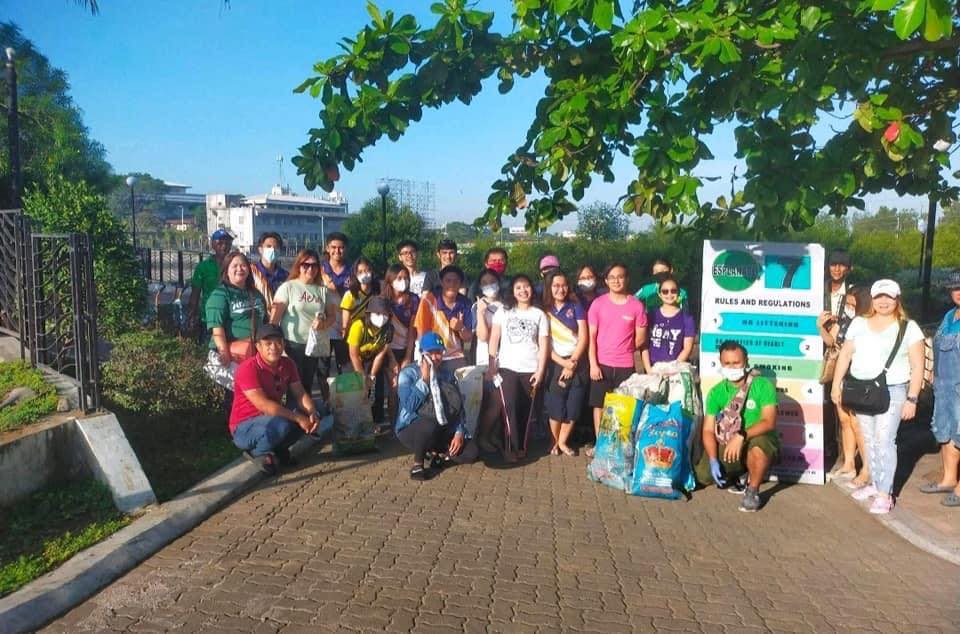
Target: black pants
x,y
517,403
425,434
306,366
379,388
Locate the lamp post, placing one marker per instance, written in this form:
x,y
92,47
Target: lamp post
x,y
13,133
131,181
383,189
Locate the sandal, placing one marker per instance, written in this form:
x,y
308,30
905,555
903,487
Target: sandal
x,y
935,487
567,451
951,499
555,451
421,474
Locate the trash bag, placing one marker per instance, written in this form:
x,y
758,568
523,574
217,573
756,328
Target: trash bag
x,y
612,462
470,382
662,467
353,429
649,388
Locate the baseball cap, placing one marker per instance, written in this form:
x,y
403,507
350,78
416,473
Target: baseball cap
x,y
549,262
952,280
266,331
839,257
221,234
885,287
431,342
378,305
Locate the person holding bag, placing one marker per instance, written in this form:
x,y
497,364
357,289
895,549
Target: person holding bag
x,y
233,312
305,310
883,353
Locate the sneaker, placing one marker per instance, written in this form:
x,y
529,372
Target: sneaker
x,y
864,493
738,486
751,500
421,474
267,463
284,457
882,504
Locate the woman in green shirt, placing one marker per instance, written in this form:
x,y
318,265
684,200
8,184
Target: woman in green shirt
x,y
234,310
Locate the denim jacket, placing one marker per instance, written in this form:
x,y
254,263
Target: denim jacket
x,y
413,392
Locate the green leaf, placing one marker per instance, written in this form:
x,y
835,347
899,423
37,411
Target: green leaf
x,y
810,18
884,5
375,14
603,14
938,24
909,17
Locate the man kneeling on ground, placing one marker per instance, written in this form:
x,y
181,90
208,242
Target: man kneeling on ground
x,y
739,428
431,418
260,424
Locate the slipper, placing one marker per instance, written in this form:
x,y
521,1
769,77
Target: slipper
x,y
951,499
569,452
933,487
555,451
841,475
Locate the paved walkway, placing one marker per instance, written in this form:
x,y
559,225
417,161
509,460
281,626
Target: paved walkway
x,y
354,545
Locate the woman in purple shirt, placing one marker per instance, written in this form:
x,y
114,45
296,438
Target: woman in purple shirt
x,y
671,329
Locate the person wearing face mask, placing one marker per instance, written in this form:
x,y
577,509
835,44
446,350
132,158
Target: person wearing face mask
x,y
449,315
368,342
833,331
494,259
487,304
649,293
360,289
403,306
588,285
408,253
267,273
739,428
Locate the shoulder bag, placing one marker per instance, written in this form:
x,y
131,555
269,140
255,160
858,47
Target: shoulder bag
x,y
871,396
243,349
730,420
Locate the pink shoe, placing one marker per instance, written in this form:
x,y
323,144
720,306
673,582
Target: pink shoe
x,y
864,493
881,505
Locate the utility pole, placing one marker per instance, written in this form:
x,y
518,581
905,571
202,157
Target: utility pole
x,y
928,257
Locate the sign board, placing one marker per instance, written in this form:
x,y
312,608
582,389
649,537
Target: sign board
x,y
767,296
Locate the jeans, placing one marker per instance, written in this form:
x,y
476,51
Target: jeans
x,y
263,434
880,439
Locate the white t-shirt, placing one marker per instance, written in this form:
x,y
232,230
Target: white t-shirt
x,y
304,302
483,349
520,332
871,350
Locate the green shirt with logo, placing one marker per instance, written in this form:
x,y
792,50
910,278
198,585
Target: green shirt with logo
x,y
205,278
762,393
229,308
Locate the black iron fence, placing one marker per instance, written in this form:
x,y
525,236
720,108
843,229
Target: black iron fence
x,y
48,301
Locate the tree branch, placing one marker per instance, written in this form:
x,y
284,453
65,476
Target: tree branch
x,y
912,47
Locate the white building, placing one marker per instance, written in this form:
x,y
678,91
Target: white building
x,y
300,220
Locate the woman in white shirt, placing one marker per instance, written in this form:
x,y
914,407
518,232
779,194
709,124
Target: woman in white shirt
x,y
519,349
869,342
487,304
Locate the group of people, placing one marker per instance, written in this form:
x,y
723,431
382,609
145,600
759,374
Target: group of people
x,y
551,349
874,341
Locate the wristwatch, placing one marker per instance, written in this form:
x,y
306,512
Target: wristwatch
x,y
912,399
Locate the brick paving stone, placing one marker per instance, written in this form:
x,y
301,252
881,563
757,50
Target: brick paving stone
x,y
353,545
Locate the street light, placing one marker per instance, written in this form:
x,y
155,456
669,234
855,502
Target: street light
x,y
131,181
383,189
13,133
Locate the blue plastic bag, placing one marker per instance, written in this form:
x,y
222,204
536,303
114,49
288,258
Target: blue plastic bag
x,y
612,462
662,453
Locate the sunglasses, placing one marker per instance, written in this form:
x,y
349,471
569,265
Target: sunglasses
x,y
669,291
309,265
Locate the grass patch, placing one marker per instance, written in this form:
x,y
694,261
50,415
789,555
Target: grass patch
x,y
178,451
50,526
15,374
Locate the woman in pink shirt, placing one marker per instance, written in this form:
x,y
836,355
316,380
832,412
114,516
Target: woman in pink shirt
x,y
618,328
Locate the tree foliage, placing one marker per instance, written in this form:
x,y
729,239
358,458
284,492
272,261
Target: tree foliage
x,y
461,231
366,234
830,101
601,221
53,139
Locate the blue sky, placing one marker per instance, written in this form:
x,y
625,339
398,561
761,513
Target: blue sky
x,y
196,93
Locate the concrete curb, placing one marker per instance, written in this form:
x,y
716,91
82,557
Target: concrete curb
x,y
87,572
912,528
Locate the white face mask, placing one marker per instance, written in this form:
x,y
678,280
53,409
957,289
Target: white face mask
x,y
586,284
270,255
490,291
378,320
733,374
849,312
364,278
400,285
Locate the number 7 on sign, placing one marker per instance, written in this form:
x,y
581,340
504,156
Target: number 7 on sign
x,y
787,271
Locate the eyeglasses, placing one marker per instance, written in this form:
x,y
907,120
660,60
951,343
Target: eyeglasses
x,y
407,252
668,291
309,265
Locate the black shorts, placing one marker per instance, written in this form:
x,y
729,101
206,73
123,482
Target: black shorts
x,y
612,378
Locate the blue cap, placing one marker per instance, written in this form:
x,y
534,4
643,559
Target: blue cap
x,y
221,234
431,342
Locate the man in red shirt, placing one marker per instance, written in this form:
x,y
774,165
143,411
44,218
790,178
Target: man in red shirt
x,y
259,422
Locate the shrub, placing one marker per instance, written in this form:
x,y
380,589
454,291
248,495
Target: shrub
x,y
155,374
19,374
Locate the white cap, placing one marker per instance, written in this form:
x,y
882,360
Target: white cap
x,y
885,287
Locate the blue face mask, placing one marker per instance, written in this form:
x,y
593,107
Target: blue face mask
x,y
269,255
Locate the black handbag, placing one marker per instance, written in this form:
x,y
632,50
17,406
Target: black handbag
x,y
871,396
